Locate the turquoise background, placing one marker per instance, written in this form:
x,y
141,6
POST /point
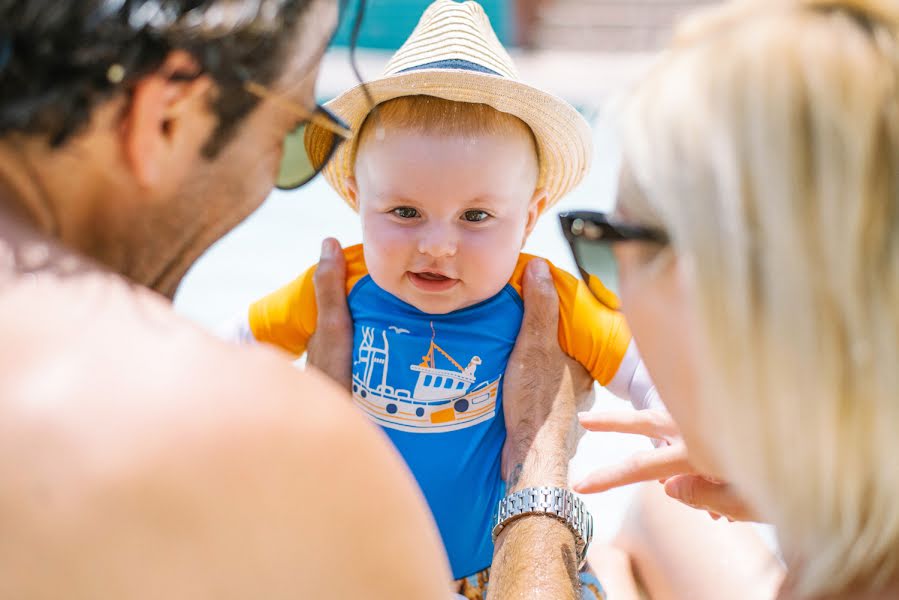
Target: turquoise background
x,y
387,23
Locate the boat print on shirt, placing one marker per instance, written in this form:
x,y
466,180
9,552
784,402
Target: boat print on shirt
x,y
444,399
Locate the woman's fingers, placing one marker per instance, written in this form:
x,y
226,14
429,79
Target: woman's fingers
x,y
669,465
650,465
651,423
704,494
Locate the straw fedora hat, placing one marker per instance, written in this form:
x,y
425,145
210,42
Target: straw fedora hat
x,y
454,54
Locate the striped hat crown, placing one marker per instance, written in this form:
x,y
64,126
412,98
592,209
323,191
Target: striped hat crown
x,y
454,54
453,35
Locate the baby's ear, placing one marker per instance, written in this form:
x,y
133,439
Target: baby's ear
x,y
535,209
352,191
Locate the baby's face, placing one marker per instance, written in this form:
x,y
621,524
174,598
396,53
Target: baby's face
x,y
444,217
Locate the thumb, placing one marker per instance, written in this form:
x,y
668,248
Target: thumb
x,y
330,276
541,301
698,492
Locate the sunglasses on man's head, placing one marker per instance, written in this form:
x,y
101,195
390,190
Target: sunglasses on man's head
x,y
301,162
590,236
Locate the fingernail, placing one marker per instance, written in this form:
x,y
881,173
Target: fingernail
x,y
541,269
327,248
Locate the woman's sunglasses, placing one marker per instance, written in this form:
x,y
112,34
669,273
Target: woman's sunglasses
x,y
298,164
590,236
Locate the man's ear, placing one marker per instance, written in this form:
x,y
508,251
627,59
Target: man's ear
x,y
162,108
535,209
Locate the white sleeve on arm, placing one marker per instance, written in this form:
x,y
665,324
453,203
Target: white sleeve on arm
x,y
237,330
632,382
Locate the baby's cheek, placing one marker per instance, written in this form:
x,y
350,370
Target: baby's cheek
x,y
380,242
385,259
490,268
381,262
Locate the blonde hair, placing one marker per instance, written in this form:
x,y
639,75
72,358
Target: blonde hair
x,y
767,143
429,114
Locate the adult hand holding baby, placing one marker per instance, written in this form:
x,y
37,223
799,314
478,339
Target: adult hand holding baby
x,y
543,390
331,346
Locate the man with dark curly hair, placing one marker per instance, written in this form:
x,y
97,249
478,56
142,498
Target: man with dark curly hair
x,y
140,457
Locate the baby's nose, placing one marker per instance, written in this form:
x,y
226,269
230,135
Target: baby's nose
x,y
438,241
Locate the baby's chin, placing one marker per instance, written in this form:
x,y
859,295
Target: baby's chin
x,y
434,309
435,304
439,303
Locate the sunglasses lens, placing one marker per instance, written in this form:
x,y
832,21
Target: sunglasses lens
x,y
306,151
601,270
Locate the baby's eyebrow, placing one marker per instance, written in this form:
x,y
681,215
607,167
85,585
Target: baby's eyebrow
x,y
389,197
486,202
401,200
483,199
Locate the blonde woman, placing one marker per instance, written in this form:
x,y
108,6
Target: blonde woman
x,y
759,211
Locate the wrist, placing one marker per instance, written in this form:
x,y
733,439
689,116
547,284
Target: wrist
x,y
537,460
524,476
554,502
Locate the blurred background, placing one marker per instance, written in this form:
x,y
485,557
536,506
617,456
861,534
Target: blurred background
x,y
580,25
586,51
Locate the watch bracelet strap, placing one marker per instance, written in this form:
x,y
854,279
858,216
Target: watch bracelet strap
x,y
555,502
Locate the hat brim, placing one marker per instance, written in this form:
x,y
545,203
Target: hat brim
x,y
564,139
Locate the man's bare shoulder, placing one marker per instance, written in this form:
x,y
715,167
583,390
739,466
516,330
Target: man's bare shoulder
x,y
131,437
108,345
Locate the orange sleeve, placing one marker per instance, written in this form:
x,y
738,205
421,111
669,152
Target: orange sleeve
x,y
286,317
592,334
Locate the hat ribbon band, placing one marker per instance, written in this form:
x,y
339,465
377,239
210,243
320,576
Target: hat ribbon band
x,y
452,63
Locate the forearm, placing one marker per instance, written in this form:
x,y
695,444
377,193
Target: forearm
x,y
535,556
539,457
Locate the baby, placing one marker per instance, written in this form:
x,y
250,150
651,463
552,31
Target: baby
x,y
449,175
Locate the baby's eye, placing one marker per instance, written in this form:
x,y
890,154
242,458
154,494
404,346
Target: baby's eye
x,y
475,216
405,212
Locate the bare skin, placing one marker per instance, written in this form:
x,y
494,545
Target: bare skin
x,y
536,557
679,552
669,463
330,349
141,458
131,439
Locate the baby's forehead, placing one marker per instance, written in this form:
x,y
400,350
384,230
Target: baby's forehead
x,y
433,155
433,118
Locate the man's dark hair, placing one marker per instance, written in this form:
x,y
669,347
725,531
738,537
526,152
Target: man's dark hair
x,y
56,55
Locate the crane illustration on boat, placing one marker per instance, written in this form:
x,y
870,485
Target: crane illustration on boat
x,y
444,398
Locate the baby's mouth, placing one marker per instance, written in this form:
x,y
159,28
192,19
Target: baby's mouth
x,y
432,276
429,281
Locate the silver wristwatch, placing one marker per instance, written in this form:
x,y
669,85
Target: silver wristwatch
x,y
550,501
